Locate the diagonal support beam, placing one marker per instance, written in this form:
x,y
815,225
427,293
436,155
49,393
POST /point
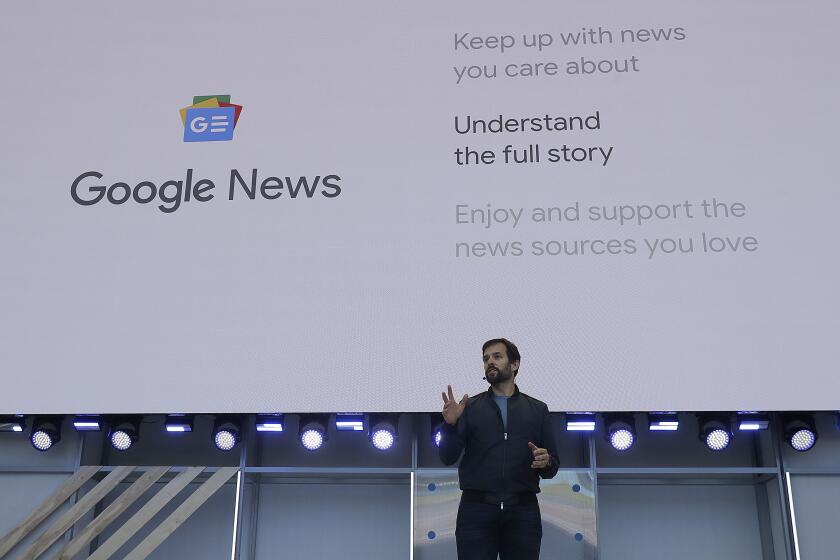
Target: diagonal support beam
x,y
146,513
182,513
46,508
63,523
117,507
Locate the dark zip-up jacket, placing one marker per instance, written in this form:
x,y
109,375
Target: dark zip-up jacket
x,y
495,460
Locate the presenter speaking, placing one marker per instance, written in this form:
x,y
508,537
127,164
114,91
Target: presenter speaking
x,y
508,444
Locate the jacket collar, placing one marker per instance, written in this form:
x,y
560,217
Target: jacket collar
x,y
491,394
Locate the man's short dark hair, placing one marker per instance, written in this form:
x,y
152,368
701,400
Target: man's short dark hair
x,y
512,350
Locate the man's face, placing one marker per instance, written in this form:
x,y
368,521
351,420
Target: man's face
x,y
497,367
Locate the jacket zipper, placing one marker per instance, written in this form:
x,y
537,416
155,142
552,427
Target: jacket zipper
x,y
504,460
504,449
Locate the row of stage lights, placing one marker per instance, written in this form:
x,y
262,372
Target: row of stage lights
x,y
124,432
716,430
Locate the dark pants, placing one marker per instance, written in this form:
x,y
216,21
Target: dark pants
x,y
484,531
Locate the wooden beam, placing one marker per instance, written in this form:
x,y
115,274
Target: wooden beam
x,y
182,513
47,507
63,523
117,507
146,513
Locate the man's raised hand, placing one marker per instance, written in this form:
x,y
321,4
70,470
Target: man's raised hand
x,y
541,457
452,410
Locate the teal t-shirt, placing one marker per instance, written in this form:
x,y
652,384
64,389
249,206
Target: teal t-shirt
x,y
502,402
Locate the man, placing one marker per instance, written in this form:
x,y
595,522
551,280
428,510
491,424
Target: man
x,y
508,444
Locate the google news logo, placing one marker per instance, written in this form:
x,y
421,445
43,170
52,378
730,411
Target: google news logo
x,y
210,118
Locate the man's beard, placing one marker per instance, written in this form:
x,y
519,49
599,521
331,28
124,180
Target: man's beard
x,y
497,377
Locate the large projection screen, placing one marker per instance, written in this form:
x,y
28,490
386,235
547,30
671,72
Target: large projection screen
x,y
642,195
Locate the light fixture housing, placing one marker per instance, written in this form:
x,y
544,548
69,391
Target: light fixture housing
x,y
46,432
663,422
87,423
227,432
800,432
312,432
124,432
436,421
179,423
273,423
15,423
350,422
580,422
752,421
620,431
715,430
383,431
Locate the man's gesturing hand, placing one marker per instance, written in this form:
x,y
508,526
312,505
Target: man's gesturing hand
x,y
541,457
452,410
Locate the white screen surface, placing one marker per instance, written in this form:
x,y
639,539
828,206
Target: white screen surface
x,y
377,291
